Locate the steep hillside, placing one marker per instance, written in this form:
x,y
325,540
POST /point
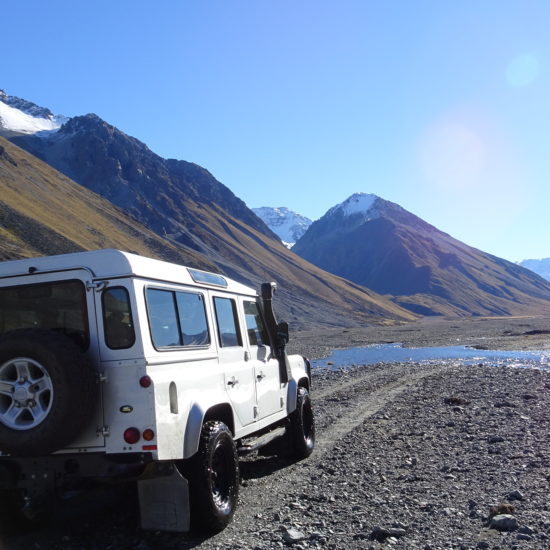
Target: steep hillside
x,y
378,244
43,212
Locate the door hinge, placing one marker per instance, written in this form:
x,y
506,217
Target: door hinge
x,y
97,286
103,431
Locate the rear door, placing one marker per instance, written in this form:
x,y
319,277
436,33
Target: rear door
x,y
234,358
62,302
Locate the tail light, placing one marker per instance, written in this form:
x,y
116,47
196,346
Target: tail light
x,y
131,435
145,381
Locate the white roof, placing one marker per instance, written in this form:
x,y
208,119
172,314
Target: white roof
x,y
109,263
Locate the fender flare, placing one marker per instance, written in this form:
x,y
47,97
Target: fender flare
x,y
196,419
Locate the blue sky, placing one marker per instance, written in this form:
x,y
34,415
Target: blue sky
x,y
440,106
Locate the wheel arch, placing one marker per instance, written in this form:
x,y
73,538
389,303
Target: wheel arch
x,y
198,415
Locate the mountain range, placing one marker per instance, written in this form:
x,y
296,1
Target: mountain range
x,y
365,260
187,210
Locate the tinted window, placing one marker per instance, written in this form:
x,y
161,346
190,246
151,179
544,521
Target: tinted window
x,y
226,319
177,319
117,318
59,306
254,324
163,318
192,316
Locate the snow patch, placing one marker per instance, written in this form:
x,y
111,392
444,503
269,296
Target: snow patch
x,y
14,120
358,203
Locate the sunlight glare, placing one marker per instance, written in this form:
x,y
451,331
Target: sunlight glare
x,y
452,155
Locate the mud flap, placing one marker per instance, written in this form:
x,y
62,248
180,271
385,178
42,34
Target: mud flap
x,y
164,499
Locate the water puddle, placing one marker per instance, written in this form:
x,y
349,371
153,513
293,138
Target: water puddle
x,y
395,353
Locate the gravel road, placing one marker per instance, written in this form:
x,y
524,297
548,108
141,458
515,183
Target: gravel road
x,y
412,456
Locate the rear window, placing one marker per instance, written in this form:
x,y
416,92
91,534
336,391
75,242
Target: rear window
x,y
58,306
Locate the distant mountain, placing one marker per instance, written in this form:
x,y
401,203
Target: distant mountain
x,y
541,267
378,244
286,224
20,117
184,205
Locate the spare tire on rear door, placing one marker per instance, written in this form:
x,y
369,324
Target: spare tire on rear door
x,y
48,391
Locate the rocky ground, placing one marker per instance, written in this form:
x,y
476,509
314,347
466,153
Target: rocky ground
x,y
412,456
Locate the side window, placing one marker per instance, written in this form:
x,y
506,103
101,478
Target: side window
x,y
254,324
177,319
163,320
226,319
192,316
117,318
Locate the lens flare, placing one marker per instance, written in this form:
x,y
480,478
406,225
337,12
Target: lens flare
x,y
522,70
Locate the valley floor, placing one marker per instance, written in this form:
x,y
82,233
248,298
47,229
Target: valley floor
x,y
503,333
411,456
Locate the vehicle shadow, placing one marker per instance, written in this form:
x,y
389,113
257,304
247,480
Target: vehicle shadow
x,y
257,466
108,516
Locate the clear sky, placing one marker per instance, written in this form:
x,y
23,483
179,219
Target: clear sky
x,y
442,107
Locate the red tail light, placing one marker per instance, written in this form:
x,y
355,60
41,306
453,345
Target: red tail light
x,y
145,381
131,435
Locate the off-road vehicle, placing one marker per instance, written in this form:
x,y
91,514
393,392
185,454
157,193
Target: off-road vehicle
x,y
119,367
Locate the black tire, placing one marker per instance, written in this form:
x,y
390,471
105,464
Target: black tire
x,y
302,426
60,412
213,475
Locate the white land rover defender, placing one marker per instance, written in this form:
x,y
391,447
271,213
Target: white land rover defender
x,y
114,366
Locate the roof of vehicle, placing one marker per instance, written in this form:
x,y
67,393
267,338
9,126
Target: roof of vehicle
x,y
110,263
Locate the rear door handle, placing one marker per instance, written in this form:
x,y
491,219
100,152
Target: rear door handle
x,y
232,381
260,377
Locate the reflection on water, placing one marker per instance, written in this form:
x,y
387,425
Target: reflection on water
x,y
395,353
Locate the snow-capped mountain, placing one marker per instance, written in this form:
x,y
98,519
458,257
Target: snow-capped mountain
x,y
378,244
286,224
541,267
19,117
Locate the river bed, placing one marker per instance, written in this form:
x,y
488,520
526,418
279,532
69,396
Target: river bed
x,y
396,353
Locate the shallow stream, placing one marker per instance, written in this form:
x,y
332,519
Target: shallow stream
x,y
396,353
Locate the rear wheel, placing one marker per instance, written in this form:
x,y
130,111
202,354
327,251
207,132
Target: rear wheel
x,y
213,475
302,426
